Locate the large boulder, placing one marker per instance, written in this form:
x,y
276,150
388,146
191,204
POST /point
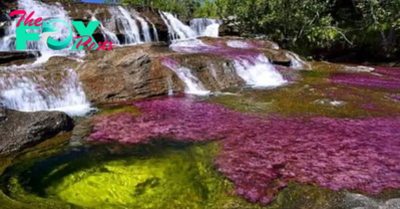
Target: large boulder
x,y
22,129
126,73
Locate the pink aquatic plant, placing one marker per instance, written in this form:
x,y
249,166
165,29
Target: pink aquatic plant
x,y
368,80
392,72
395,97
261,154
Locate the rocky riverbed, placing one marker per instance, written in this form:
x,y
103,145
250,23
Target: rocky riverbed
x,y
195,122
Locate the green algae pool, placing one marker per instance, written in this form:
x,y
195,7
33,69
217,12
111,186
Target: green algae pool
x,y
164,174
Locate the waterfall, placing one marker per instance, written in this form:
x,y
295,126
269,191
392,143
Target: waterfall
x,y
145,27
253,67
128,26
47,12
192,84
107,34
296,62
176,28
198,27
258,72
155,34
35,91
205,27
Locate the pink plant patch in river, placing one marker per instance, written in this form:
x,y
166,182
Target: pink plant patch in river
x,y
389,78
261,154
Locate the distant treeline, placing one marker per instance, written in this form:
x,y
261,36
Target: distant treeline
x,y
369,26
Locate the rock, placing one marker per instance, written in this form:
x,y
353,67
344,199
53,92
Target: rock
x,y
82,130
125,73
10,58
358,69
22,129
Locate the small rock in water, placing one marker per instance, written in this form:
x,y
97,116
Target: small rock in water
x,y
359,69
334,103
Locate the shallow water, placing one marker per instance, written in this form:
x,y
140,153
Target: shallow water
x,y
215,154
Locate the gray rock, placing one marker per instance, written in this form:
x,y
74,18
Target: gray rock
x,y
22,129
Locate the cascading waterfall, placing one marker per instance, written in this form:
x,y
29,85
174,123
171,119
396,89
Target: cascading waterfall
x,y
47,12
36,91
254,68
176,28
155,34
192,84
198,27
145,27
107,34
205,26
296,62
258,72
128,25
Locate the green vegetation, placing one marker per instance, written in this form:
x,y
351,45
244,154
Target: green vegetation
x,y
303,25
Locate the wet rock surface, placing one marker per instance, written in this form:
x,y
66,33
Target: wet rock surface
x,y
19,129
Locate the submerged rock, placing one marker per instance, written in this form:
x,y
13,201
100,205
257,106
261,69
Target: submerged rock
x,y
21,129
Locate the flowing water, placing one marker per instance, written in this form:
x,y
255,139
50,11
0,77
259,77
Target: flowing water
x,y
264,142
198,27
127,25
47,12
177,29
145,27
254,68
155,33
192,83
205,27
40,90
107,34
258,72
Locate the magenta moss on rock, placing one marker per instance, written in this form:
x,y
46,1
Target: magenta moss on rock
x,y
261,154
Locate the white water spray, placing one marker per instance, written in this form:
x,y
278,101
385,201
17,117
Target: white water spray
x,y
107,34
192,84
127,25
47,12
258,72
296,62
155,34
145,27
32,91
176,28
205,27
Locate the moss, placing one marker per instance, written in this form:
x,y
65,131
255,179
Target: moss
x,y
301,98
297,196
162,175
45,149
118,109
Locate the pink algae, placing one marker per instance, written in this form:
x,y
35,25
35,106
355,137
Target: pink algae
x,y
386,78
261,154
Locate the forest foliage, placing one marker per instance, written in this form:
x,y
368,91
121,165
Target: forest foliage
x,y
302,24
